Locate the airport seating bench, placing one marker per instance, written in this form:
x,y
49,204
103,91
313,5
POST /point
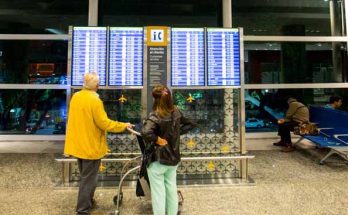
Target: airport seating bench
x,y
333,131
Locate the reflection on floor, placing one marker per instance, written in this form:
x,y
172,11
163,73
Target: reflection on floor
x,y
286,183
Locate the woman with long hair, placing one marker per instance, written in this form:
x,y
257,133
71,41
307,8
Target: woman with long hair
x,y
163,129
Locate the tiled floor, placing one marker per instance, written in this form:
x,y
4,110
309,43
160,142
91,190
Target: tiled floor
x,y
290,183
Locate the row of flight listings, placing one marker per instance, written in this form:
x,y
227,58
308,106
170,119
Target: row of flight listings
x,y
117,52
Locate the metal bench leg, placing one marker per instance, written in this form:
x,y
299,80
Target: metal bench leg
x,y
66,173
298,141
321,162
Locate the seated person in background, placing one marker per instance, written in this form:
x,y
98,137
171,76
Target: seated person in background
x,y
335,102
297,113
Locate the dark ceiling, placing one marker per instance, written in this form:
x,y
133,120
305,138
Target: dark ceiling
x,y
262,17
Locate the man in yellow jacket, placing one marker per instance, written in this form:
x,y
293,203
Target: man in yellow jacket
x,y
86,137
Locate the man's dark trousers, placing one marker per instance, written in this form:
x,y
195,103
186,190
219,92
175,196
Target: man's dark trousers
x,y
88,183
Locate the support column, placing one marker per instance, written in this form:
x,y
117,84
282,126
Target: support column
x,y
337,25
227,13
228,94
93,13
228,99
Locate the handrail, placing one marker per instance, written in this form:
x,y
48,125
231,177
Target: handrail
x,y
182,159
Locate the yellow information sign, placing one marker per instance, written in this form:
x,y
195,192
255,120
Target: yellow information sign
x,y
157,35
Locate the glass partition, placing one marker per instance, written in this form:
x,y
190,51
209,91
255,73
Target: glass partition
x,y
122,105
295,62
264,106
33,62
32,111
290,18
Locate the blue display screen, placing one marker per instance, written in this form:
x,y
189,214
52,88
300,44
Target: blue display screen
x,y
126,56
88,53
187,45
223,57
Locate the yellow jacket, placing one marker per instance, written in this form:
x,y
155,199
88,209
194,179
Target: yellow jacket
x,y
87,126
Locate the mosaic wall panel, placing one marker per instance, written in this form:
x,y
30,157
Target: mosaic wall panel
x,y
215,111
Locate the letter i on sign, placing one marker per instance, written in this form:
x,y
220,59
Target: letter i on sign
x,y
157,35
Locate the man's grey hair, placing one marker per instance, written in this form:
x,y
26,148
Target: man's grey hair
x,y
91,80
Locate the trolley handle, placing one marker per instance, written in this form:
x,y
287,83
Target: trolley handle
x,y
133,132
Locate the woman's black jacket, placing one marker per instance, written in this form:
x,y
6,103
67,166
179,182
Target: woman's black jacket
x,y
170,128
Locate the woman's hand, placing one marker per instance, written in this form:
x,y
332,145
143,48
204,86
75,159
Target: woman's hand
x,y
129,125
161,142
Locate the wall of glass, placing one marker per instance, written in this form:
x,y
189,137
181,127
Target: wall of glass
x,y
291,18
36,111
295,62
30,66
33,62
264,107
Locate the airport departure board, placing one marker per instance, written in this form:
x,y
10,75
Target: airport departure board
x,y
88,53
126,56
187,56
223,57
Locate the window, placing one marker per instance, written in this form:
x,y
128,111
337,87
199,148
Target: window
x,y
295,62
263,107
33,61
33,111
288,18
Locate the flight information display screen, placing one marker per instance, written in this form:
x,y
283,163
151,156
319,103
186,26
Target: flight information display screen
x,y
187,56
88,53
223,57
126,56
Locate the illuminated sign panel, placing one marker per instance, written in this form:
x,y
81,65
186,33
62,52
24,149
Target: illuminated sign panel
x,y
223,57
187,56
126,56
88,53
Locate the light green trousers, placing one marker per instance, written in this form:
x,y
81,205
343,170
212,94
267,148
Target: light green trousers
x,y
164,194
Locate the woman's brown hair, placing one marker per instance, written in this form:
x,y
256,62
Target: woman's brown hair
x,y
163,103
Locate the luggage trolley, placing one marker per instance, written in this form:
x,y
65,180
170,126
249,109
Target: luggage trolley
x,y
143,184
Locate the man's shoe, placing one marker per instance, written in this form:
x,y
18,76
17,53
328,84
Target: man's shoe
x,y
280,143
288,149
